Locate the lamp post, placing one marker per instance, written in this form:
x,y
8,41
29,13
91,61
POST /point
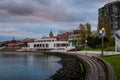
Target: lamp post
x,y
103,29
86,46
86,42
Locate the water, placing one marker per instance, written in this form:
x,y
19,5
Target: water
x,y
27,67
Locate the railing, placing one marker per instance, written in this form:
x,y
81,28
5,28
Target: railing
x,y
96,68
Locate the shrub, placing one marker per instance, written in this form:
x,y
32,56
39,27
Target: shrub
x,y
110,48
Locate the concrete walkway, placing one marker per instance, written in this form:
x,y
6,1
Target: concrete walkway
x,y
96,68
89,53
95,53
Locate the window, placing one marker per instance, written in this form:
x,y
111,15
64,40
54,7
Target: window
x,y
40,45
37,45
58,45
34,45
63,45
48,40
54,45
47,45
44,41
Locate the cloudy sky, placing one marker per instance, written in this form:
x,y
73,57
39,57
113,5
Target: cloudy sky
x,y
36,18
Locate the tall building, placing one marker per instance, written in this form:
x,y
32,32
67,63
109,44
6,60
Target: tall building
x,y
109,18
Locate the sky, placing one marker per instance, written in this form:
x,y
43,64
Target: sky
x,y
36,18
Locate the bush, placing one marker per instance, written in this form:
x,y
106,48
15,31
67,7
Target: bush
x,y
110,48
91,49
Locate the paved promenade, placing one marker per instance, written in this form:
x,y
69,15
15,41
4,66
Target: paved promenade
x,y
91,53
96,68
95,53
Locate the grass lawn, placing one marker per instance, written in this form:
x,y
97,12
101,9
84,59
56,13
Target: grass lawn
x,y
115,62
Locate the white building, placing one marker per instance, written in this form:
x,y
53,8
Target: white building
x,y
47,44
117,41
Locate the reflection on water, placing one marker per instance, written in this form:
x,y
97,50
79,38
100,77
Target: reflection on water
x,y
27,67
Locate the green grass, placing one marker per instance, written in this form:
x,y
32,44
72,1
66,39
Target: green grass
x,y
115,62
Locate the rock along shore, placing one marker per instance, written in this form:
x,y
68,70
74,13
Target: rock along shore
x,y
72,68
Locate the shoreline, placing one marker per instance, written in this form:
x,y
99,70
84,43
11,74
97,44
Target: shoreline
x,y
16,52
72,67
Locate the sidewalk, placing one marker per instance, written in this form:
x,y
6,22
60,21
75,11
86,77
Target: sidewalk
x,y
95,53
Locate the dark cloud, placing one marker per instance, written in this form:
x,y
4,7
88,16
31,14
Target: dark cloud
x,y
17,8
20,10
45,2
52,10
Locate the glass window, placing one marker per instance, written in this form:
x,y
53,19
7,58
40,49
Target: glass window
x,y
58,45
34,45
40,45
37,45
54,45
63,45
47,45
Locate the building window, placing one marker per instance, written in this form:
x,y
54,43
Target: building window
x,y
63,45
52,40
58,45
37,45
47,45
54,45
34,45
40,45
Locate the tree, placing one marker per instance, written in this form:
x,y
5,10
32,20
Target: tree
x,y
88,30
97,42
90,42
104,21
74,41
82,34
112,41
108,32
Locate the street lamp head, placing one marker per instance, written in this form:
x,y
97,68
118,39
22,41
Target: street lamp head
x,y
103,29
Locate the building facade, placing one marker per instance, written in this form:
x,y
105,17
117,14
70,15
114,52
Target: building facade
x,y
117,41
73,37
63,36
47,44
109,18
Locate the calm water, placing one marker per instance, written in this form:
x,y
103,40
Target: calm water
x,y
27,67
